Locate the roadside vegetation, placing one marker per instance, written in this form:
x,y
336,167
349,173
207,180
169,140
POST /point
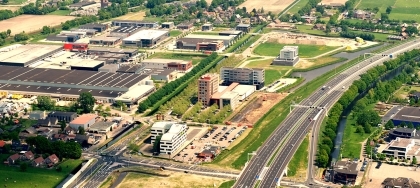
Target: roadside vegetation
x,y
174,33
365,118
299,162
305,51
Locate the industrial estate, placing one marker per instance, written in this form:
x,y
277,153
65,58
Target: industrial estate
x,y
306,93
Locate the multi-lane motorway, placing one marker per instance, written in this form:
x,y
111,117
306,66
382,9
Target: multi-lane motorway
x,y
287,137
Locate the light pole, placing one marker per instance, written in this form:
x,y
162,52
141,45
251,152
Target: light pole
x,y
252,154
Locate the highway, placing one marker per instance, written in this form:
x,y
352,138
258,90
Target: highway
x,y
289,134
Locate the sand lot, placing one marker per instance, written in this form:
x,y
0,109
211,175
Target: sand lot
x,y
390,171
274,6
328,2
32,23
175,180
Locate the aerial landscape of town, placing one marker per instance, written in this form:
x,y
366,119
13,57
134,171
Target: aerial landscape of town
x,y
209,93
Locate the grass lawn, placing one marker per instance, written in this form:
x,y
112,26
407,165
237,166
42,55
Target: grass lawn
x,y
60,12
298,6
206,33
299,162
175,33
364,4
195,58
325,60
15,2
406,10
378,36
227,184
352,141
266,64
37,176
272,75
305,51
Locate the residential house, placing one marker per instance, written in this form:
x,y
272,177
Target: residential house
x,y
28,156
361,14
319,27
29,132
51,160
218,21
60,137
38,162
16,144
309,19
48,122
13,159
2,144
69,130
404,35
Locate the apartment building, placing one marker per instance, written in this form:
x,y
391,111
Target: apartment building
x,y
208,85
173,135
244,76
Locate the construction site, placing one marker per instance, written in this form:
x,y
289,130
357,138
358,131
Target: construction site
x,y
259,105
288,38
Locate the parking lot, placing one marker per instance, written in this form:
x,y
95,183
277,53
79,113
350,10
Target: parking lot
x,y
378,175
221,136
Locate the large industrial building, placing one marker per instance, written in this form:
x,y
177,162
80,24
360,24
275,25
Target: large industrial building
x,y
205,42
174,64
25,55
68,84
146,38
95,26
103,51
245,76
127,23
173,136
105,41
406,115
124,32
288,56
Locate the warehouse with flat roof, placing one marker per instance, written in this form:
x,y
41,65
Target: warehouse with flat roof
x,y
104,50
227,40
24,55
124,23
146,38
124,32
68,84
174,64
105,41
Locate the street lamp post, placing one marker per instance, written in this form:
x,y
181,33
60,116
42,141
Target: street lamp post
x,y
252,153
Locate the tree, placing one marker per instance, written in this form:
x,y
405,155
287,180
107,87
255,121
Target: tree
x,y
384,17
410,125
23,166
367,128
63,125
156,145
8,32
81,130
5,1
388,10
86,102
389,125
45,103
46,30
414,160
360,129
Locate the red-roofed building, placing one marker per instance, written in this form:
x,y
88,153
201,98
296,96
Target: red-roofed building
x,y
28,155
85,121
52,160
38,162
13,158
2,143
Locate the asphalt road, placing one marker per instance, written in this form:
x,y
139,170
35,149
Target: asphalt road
x,y
293,129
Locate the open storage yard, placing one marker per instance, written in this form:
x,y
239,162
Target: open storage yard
x,y
31,23
274,6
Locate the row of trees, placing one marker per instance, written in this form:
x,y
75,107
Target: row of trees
x,y
84,104
3,36
78,21
113,11
68,150
365,118
173,86
352,35
374,27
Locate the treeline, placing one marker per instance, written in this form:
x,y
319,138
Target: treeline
x,y
352,35
372,27
172,86
68,150
366,81
113,11
3,36
37,9
78,21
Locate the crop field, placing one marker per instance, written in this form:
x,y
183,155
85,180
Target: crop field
x,y
36,177
298,6
31,23
132,16
305,51
406,10
274,6
60,12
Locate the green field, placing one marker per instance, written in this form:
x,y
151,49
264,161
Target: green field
x,y
266,64
175,33
305,51
372,4
378,36
36,177
401,9
14,2
227,184
60,12
195,58
308,29
272,75
298,6
299,162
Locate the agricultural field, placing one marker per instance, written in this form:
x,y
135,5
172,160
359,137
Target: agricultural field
x,y
31,23
328,2
173,180
406,10
298,6
36,177
275,6
132,16
305,51
195,58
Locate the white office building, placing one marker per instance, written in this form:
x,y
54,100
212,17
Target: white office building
x,y
288,56
403,148
173,135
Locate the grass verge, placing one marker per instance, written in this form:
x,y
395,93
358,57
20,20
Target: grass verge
x,y
227,184
299,161
248,44
174,33
305,51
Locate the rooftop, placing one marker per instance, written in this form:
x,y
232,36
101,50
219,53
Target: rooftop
x,y
82,4
177,61
209,76
160,72
401,182
146,34
346,167
162,125
212,37
242,89
401,142
127,29
229,95
173,131
83,119
136,91
65,60
228,92
111,50
408,114
231,32
135,21
26,53
129,68
101,126
105,39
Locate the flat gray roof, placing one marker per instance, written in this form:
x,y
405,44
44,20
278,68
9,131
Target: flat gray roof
x,y
212,37
25,53
105,38
100,126
411,114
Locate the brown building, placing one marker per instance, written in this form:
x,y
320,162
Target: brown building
x,y
185,25
400,182
208,85
344,172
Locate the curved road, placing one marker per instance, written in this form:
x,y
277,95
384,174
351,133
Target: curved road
x,y
288,135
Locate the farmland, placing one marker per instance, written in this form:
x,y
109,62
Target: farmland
x,y
305,51
31,23
274,6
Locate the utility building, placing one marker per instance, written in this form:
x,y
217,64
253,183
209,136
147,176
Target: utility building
x,y
288,56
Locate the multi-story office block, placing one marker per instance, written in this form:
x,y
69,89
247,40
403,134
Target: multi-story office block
x,y
208,85
245,76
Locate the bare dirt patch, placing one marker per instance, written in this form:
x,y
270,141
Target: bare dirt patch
x,y
175,180
329,2
389,171
257,108
274,6
12,8
285,38
306,63
132,16
32,23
